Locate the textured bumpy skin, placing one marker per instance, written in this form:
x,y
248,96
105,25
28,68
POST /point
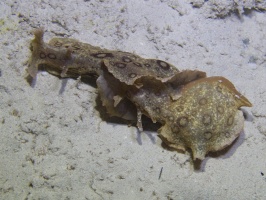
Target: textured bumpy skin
x,y
196,112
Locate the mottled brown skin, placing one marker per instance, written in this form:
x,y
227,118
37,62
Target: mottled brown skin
x,y
196,112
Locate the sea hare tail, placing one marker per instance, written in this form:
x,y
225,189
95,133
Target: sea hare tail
x,y
36,45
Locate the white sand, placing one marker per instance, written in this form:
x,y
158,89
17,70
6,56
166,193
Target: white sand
x,y
61,146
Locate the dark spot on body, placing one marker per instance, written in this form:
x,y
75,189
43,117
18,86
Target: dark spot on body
x,y
175,129
206,119
182,100
232,103
42,55
51,56
120,65
126,59
76,47
102,55
163,65
147,65
179,108
137,64
132,75
203,101
207,135
183,121
230,120
57,44
219,89
220,109
157,109
227,134
171,118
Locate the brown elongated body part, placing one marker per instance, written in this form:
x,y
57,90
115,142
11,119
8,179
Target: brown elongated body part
x,y
196,112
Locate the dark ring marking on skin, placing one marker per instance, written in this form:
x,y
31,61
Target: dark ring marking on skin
x,y
132,75
179,109
147,65
51,56
76,47
137,64
203,101
182,100
230,120
126,59
157,109
208,135
219,89
232,103
175,130
183,121
42,55
57,44
171,118
220,109
206,120
120,65
102,55
227,134
163,65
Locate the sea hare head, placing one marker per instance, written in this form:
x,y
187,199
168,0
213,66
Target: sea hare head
x,y
207,117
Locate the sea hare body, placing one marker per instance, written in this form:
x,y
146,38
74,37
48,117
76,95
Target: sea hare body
x,y
196,112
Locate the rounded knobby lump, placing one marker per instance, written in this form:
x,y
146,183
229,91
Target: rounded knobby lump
x,y
207,117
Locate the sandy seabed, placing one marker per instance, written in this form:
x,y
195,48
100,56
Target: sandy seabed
x,y
60,145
